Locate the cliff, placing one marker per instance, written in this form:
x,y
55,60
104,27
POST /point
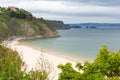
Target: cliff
x,y
22,23
58,24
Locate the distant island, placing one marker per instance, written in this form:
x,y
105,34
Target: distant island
x,y
97,25
60,25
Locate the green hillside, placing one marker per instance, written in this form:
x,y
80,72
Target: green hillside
x,y
23,23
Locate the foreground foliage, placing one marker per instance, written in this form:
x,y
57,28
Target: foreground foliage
x,y
105,67
12,67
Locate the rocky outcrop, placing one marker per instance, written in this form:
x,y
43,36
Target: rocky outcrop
x,y
58,24
48,32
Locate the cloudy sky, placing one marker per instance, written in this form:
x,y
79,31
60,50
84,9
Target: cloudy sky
x,y
71,11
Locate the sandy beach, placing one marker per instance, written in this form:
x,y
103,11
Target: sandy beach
x,y
31,57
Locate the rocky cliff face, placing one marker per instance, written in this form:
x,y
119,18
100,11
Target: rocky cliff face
x,y
24,25
58,24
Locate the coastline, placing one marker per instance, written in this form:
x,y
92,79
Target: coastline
x,y
54,52
31,56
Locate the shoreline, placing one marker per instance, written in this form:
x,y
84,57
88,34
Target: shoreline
x,y
55,53
31,56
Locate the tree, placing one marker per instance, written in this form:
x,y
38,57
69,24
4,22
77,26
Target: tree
x,y
11,64
68,73
105,67
2,9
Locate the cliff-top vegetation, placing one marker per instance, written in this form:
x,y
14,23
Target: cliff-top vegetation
x,y
20,22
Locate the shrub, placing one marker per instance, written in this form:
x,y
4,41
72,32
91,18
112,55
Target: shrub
x,y
11,64
105,67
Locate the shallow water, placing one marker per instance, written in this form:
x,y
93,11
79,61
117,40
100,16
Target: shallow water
x,y
83,43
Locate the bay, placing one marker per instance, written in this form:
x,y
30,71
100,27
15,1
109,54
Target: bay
x,y
80,43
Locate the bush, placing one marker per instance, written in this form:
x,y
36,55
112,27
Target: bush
x,y
105,67
11,64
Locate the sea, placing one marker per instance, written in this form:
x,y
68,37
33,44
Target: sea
x,y
80,43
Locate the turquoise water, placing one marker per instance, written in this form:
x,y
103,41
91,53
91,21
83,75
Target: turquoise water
x,y
83,43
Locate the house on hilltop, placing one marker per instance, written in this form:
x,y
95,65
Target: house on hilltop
x,y
12,8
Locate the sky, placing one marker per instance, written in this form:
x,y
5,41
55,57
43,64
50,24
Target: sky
x,y
71,11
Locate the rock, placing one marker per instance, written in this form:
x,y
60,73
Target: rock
x,y
58,24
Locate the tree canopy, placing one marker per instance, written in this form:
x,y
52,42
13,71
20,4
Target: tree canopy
x,y
105,67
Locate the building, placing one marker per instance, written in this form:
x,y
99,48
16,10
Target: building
x,y
12,8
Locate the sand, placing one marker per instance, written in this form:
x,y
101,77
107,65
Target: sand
x,y
31,56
